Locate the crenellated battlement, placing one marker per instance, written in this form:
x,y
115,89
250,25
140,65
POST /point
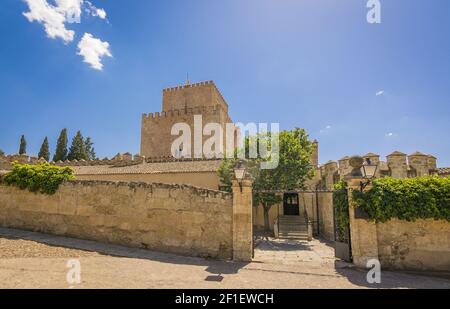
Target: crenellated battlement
x,y
199,110
205,83
397,165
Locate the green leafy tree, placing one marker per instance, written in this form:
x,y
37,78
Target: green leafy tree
x,y
23,145
2,153
292,172
90,151
44,151
77,150
61,147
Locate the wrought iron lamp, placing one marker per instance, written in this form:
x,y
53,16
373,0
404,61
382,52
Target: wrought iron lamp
x,y
368,171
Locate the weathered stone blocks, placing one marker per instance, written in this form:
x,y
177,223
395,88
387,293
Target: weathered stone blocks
x,y
172,218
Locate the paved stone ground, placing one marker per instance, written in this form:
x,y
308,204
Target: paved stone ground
x,y
34,260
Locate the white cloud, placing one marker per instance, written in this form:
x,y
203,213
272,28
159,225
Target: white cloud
x,y
94,11
101,13
52,18
327,128
391,134
379,93
93,50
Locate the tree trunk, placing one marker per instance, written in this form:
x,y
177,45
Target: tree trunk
x,y
266,217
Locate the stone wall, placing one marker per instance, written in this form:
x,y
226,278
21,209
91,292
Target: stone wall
x,y
192,95
420,245
170,218
326,216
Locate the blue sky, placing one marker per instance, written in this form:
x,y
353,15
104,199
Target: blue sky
x,y
315,64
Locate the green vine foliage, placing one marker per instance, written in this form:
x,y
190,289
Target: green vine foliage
x,y
406,199
43,178
340,202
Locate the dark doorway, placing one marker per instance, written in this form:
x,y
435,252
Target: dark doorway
x,y
291,204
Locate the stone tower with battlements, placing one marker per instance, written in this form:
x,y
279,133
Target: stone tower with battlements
x,y
180,105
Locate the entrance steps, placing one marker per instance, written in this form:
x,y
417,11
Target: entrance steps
x,y
293,227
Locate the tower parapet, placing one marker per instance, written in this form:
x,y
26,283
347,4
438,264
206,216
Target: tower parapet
x,y
193,95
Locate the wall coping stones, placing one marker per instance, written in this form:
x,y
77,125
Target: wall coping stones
x,y
145,185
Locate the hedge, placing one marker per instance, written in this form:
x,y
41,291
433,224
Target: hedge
x,y
406,199
43,178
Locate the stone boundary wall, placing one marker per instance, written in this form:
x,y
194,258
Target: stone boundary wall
x,y
419,245
170,218
422,245
326,216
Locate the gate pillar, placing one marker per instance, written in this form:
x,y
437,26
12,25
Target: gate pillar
x,y
243,220
363,233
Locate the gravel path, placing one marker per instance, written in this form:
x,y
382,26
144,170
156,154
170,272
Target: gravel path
x,y
35,260
19,248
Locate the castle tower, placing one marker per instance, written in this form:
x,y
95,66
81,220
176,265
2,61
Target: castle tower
x,y
180,105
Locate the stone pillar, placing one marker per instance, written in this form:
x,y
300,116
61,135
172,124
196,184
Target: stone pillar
x,y
243,221
397,165
315,154
419,162
363,233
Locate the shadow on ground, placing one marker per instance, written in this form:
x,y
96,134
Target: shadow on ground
x,y
389,279
215,267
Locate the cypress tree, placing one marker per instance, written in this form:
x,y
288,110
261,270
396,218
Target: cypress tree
x,y
44,152
77,150
23,145
90,151
61,147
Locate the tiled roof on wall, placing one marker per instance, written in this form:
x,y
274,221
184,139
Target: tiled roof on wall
x,y
444,171
151,168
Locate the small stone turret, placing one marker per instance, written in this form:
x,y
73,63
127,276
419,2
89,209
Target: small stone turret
x,y
397,164
344,166
432,164
329,170
315,154
419,163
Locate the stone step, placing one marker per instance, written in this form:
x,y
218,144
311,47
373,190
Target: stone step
x,y
301,223
292,231
303,238
299,219
293,223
